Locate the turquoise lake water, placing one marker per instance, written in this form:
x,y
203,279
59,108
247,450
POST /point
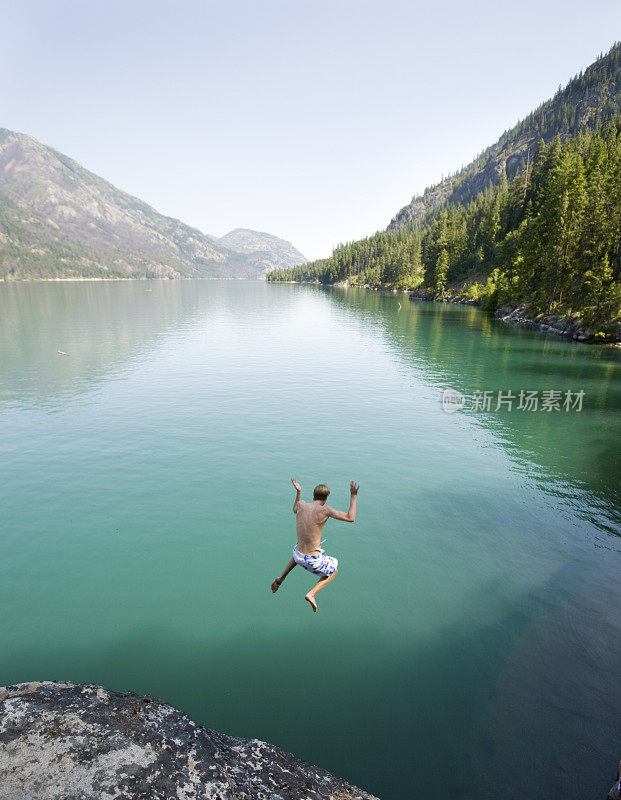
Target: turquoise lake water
x,y
471,644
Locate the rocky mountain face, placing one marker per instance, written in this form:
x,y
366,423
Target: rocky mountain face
x,y
589,99
265,250
59,741
57,219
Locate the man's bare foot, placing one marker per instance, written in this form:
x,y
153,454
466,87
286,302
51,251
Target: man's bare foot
x,y
311,599
276,584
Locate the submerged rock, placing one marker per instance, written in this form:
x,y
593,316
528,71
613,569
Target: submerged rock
x,y
59,741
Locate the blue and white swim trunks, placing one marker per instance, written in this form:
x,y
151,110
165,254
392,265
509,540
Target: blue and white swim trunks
x,y
321,564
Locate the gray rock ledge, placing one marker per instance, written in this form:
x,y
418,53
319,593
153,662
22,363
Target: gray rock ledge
x,y
569,326
60,741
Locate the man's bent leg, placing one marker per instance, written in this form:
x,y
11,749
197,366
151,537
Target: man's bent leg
x,y
318,587
276,583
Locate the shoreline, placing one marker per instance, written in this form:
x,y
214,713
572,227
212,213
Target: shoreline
x,y
118,278
565,326
63,280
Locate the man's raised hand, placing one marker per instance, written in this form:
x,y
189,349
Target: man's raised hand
x,y
353,487
296,485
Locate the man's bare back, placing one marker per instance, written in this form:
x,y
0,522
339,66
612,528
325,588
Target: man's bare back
x,y
310,519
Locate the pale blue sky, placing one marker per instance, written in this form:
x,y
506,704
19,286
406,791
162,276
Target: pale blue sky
x,y
315,121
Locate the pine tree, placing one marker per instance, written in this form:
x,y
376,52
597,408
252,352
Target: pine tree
x,y
440,273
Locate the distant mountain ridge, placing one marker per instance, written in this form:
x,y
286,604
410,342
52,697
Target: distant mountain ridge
x,y
58,219
589,99
266,250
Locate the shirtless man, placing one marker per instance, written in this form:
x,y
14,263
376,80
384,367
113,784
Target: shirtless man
x,y
311,517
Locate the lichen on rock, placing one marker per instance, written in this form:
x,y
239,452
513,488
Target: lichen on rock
x,y
61,741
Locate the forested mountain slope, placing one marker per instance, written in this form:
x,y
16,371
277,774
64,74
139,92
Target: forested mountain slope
x,y
590,99
543,233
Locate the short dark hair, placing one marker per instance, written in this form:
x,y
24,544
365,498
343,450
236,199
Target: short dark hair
x,y
321,492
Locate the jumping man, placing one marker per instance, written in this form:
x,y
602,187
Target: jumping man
x,y
311,517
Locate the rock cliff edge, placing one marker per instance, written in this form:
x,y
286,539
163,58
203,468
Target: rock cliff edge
x,y
60,741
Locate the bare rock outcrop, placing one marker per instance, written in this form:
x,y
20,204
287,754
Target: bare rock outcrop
x,y
61,741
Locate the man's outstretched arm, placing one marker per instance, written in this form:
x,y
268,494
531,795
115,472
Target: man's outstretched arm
x,y
351,514
298,489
